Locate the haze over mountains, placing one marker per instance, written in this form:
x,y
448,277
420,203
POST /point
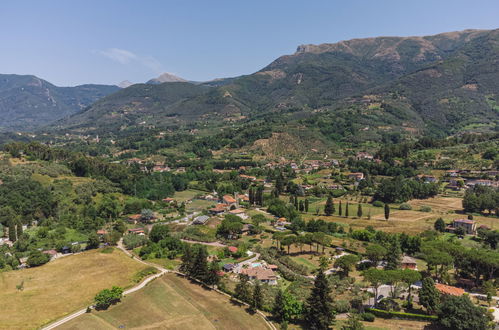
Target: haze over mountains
x,y
441,84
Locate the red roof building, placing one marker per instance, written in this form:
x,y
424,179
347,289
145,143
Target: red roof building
x,y
450,290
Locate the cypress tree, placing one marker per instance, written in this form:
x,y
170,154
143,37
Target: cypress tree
x,y
319,312
306,205
12,231
359,211
242,291
346,210
257,300
251,196
296,203
19,229
340,211
302,206
259,195
387,211
329,208
187,260
393,258
291,200
200,264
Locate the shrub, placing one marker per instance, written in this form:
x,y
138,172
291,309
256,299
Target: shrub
x,y
144,273
37,259
107,297
342,306
368,317
388,304
425,208
400,315
378,204
405,206
132,241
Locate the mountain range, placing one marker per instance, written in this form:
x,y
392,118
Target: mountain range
x,y
27,102
363,89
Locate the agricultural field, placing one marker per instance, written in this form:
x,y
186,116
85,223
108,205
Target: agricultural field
x,y
60,287
171,302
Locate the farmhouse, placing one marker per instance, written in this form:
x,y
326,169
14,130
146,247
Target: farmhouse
x,y
449,290
136,231
264,275
134,218
240,213
469,226
409,263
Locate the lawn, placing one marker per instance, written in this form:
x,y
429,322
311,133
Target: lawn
x,y
61,287
171,302
182,196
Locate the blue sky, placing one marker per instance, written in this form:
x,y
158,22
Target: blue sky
x,y
107,41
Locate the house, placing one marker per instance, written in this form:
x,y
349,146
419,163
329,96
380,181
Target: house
x,y
240,213
101,232
357,176
232,249
452,173
243,198
449,290
220,208
229,200
134,218
364,155
480,182
137,231
469,226
168,200
248,177
264,275
247,228
427,178
228,267
409,263
200,220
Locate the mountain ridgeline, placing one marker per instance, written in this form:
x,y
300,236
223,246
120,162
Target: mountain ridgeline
x,y
357,89
27,102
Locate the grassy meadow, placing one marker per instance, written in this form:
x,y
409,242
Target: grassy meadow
x,y
60,287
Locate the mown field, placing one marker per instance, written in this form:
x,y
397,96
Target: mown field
x,y
60,287
170,302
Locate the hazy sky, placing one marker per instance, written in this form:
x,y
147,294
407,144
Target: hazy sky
x,y
106,41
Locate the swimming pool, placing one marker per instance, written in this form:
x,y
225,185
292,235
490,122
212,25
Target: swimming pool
x,y
256,264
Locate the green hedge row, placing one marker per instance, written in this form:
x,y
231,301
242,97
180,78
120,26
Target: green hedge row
x,y
400,315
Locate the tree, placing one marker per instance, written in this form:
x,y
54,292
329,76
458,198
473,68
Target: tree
x,y
340,211
409,277
288,241
346,210
259,195
353,323
187,260
319,312
346,263
439,225
199,268
19,228
359,211
106,297
429,297
394,257
242,291
329,208
306,205
459,313
159,232
375,277
375,253
37,258
212,277
286,306
387,211
257,299
301,206
12,231
93,241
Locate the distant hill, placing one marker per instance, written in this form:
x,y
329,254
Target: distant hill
x,y
360,89
27,102
165,77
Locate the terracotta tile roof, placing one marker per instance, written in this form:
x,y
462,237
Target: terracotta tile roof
x,y
260,273
229,199
450,290
232,249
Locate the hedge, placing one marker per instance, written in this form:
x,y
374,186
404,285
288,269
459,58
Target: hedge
x,y
400,315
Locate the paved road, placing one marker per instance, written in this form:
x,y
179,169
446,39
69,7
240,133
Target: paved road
x,y
135,288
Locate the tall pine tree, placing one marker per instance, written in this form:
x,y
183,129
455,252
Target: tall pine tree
x,y
340,211
429,297
257,299
319,312
306,205
346,210
387,211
